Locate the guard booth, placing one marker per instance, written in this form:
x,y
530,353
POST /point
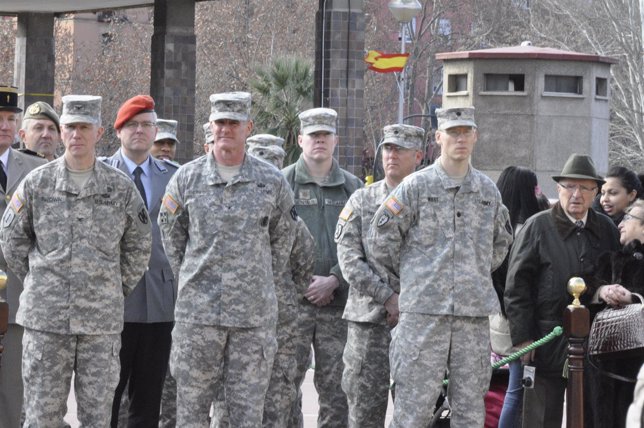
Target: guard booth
x,y
534,106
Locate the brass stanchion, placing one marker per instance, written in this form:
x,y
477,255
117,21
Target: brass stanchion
x,y
576,328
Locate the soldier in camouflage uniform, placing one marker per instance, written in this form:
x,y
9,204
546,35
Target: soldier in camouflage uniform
x,y
321,190
165,142
282,390
224,220
372,305
78,233
441,232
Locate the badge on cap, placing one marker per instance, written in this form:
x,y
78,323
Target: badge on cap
x,y
34,109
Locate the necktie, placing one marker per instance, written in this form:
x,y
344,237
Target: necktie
x,y
3,177
579,224
138,183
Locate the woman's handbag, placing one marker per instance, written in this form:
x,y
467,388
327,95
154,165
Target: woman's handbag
x,y
618,332
500,340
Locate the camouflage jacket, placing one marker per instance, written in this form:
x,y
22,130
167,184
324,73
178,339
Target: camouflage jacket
x,y
367,291
223,241
442,239
79,251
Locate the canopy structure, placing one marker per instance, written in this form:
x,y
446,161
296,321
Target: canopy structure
x,y
66,6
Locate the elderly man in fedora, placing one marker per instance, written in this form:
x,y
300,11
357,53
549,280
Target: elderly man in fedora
x,y
552,247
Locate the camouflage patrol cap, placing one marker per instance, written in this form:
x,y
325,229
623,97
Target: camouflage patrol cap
x,y
318,119
453,117
167,130
271,154
207,131
81,109
265,140
407,136
230,105
42,110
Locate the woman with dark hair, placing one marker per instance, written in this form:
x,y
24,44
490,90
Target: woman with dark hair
x,y
608,396
621,188
519,188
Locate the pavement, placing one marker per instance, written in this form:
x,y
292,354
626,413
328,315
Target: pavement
x,y
309,405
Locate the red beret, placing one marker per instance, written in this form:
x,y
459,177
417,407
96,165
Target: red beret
x,y
132,107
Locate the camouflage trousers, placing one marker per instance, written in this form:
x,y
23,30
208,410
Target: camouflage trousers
x,y
168,416
327,331
282,390
204,357
422,348
365,379
47,365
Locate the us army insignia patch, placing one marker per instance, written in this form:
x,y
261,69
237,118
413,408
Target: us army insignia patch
x,y
384,219
16,203
143,215
8,218
393,205
170,203
338,230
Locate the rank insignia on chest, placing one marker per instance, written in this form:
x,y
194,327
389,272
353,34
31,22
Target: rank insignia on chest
x,y
16,202
170,204
345,214
304,194
393,205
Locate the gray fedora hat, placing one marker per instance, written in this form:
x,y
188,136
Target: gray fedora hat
x,y
579,167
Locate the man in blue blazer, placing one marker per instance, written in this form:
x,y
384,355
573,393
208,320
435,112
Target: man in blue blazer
x,y
149,309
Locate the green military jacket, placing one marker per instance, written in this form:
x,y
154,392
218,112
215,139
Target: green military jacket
x,y
319,205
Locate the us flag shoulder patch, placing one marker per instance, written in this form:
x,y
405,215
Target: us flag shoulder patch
x,y
345,214
17,203
170,203
393,205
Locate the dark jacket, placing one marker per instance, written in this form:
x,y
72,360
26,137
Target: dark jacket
x,y
547,252
319,206
607,399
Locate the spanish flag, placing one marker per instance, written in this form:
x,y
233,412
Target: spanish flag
x,y
385,63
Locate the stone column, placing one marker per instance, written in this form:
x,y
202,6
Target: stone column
x,y
35,60
173,62
339,74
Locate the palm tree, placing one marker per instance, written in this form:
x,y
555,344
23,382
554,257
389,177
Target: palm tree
x,y
281,90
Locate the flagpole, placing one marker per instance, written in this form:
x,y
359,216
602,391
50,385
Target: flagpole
x,y
402,77
404,11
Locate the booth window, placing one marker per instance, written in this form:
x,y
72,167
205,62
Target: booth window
x,y
564,84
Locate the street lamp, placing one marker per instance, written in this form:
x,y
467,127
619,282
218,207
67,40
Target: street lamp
x,y
404,11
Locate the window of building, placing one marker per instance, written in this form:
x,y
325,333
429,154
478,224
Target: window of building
x,y
564,84
504,82
457,83
601,87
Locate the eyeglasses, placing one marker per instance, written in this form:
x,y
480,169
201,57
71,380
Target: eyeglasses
x,y
134,125
455,133
573,187
628,217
